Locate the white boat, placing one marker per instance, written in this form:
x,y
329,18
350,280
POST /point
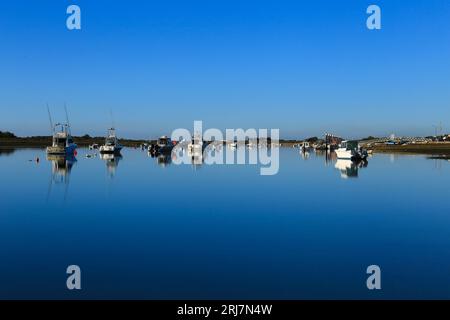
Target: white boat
x,y
196,147
93,146
350,150
112,144
304,146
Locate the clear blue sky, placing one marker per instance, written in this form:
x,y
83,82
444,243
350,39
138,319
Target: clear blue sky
x,y
305,67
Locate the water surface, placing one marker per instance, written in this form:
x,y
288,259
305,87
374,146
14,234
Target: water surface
x,y
140,227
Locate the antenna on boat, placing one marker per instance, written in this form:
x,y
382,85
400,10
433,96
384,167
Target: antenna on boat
x,y
112,118
50,118
67,119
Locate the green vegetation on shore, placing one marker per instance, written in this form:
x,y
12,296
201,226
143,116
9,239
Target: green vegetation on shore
x,y
6,135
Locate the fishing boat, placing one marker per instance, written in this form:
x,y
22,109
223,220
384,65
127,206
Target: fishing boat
x,y
163,145
350,150
112,144
62,141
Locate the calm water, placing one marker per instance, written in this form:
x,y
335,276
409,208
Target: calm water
x,y
142,229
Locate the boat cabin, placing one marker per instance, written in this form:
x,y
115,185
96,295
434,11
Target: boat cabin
x,y
350,145
164,141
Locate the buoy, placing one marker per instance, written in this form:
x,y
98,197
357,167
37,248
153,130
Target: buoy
x,y
75,152
37,159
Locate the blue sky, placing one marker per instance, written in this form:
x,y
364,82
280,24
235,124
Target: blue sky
x,y
305,67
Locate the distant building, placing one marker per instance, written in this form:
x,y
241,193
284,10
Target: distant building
x,y
332,139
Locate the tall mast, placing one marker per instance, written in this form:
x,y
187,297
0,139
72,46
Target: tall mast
x,y
67,119
52,128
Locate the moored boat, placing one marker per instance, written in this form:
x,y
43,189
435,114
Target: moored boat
x,y
112,144
163,145
62,141
350,150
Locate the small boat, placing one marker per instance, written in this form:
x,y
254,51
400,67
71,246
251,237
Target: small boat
x,y
251,143
304,146
143,146
93,146
196,147
163,145
320,147
350,150
112,144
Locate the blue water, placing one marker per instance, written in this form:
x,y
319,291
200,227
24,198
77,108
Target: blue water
x,y
139,229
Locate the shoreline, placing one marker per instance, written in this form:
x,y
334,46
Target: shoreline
x,y
431,148
419,148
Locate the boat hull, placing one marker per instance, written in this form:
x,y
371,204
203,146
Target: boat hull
x,y
344,154
157,150
110,150
70,150
349,155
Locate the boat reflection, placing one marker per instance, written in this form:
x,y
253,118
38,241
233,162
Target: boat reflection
x,y
439,157
112,161
61,170
349,168
304,154
61,167
164,160
180,153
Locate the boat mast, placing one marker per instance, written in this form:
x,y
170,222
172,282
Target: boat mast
x,y
52,128
112,130
67,120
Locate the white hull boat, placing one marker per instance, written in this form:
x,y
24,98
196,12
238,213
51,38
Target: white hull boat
x,y
112,145
350,150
